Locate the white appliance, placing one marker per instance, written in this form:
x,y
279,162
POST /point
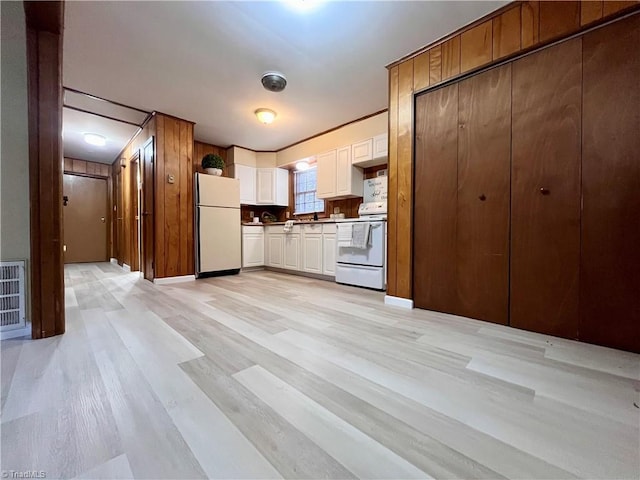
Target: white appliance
x,y
358,265
217,225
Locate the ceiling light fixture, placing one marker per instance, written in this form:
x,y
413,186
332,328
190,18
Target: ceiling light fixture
x,y
95,139
273,81
302,165
265,115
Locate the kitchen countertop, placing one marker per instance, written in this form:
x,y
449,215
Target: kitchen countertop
x,y
297,222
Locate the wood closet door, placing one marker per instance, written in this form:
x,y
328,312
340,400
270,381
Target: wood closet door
x,y
610,263
434,232
545,206
484,174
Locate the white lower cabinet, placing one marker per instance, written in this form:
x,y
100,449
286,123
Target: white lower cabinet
x,y
275,250
329,249
309,248
312,249
292,251
252,246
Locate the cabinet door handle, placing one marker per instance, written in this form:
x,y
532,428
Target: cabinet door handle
x,y
544,191
482,197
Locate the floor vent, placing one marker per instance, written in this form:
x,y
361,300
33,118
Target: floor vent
x,y
12,294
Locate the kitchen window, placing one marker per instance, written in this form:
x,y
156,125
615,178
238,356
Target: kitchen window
x,y
304,187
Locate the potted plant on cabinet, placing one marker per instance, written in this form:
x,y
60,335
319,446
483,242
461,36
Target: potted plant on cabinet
x,y
213,164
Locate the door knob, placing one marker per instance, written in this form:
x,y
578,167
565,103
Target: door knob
x,y
102,219
544,191
482,197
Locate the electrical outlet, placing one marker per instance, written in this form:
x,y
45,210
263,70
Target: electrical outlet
x,y
336,209
287,214
251,214
171,179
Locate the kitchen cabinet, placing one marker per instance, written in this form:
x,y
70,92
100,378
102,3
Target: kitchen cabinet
x,y
272,186
292,251
274,250
326,175
329,249
312,248
247,177
370,152
252,246
336,176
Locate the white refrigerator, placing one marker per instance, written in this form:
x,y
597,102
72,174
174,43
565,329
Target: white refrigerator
x,y
217,225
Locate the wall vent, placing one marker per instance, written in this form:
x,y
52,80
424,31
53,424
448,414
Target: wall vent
x,y
12,295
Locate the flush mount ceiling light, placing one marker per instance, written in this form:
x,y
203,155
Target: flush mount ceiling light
x,y
95,139
302,165
265,115
273,81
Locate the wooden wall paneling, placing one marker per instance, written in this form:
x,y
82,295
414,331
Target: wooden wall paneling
x,y
545,205
44,58
610,260
134,245
483,200
405,188
530,20
79,166
476,46
451,57
392,207
187,266
610,7
507,33
126,210
435,183
148,218
590,11
200,149
421,71
435,65
558,18
159,196
171,219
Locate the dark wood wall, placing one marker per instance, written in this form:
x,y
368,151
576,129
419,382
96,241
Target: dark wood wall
x,y
45,21
200,149
518,27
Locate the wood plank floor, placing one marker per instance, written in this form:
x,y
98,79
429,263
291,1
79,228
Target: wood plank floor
x,y
266,375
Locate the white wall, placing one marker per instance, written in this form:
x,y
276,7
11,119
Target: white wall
x,y
352,133
14,136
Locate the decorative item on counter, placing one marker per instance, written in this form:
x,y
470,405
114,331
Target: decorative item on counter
x,y
213,164
256,219
268,217
288,226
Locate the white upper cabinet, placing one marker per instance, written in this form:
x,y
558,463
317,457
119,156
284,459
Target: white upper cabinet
x,y
362,151
371,152
336,175
247,177
380,146
326,175
272,186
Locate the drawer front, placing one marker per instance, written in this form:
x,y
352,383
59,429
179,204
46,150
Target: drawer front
x,y
329,228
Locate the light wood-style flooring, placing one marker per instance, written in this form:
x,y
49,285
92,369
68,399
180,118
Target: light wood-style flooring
x,y
266,375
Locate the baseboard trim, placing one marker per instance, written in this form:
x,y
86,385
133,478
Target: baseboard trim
x,y
126,267
168,280
300,273
18,332
398,302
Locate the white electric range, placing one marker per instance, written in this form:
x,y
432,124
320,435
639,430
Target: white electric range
x,y
363,265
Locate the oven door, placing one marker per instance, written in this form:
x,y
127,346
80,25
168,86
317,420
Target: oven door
x,y
372,256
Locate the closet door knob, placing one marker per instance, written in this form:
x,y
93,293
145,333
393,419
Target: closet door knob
x,y
544,191
482,197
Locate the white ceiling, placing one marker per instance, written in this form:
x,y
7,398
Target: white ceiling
x,y
202,61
